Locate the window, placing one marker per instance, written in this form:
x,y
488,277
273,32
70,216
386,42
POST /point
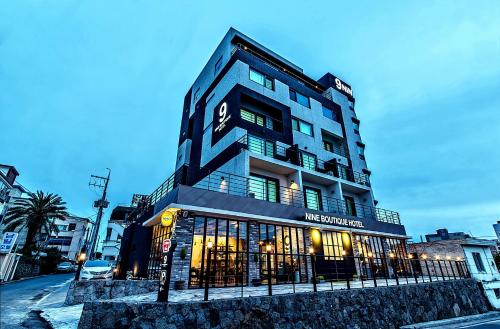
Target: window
x,y
361,150
355,125
72,227
312,198
328,146
308,160
229,258
62,228
263,188
252,117
261,79
330,114
108,233
350,206
299,98
478,261
332,245
302,126
218,65
196,95
260,146
288,257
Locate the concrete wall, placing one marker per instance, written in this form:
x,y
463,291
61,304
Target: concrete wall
x,y
384,307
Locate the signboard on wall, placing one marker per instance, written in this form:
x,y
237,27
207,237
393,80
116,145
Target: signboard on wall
x,y
8,241
342,87
333,220
222,119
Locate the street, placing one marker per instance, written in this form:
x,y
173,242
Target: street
x,y
17,299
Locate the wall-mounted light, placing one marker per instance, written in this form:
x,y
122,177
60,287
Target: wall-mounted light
x,y
391,255
269,247
316,236
424,256
370,255
437,257
410,256
448,257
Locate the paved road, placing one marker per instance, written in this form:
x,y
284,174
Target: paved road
x,y
17,299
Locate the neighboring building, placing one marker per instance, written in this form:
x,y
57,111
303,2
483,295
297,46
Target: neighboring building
x,y
267,156
72,235
496,227
443,234
477,255
10,192
114,232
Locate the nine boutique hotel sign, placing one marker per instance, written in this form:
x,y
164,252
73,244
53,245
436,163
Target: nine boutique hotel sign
x,y
332,220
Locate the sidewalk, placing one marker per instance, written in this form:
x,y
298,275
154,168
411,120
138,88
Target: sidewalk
x,y
490,319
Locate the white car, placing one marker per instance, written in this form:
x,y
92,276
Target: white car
x,y
96,269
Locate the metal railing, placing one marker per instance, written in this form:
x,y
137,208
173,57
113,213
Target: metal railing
x,y
293,155
256,188
321,273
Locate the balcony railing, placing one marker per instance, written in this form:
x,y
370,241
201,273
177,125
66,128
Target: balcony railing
x,y
258,189
296,156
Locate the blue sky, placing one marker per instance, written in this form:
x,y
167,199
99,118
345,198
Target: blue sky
x,y
96,84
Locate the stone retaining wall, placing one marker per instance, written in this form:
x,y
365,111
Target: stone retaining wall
x,y
87,291
383,307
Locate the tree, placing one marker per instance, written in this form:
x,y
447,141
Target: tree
x,y
36,213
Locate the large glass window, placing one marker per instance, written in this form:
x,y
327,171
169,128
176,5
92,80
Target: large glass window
x,y
299,98
261,79
302,126
263,188
308,160
332,245
288,259
312,198
229,259
261,146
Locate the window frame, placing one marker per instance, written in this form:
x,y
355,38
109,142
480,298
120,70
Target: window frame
x,y
318,195
478,261
329,110
295,98
265,78
299,121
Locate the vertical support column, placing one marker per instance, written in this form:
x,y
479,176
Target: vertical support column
x,y
184,238
253,249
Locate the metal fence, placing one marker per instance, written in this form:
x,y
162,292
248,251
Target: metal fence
x,y
342,272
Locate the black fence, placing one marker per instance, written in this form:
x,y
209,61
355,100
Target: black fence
x,y
341,272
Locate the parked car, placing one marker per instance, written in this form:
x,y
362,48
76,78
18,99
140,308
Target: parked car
x,y
65,267
97,269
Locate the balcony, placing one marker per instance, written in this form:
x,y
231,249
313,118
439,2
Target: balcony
x,y
254,188
302,158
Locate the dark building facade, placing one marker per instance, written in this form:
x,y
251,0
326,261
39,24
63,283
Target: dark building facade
x,y
269,161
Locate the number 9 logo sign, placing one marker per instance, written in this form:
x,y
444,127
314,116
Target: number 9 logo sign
x,y
222,112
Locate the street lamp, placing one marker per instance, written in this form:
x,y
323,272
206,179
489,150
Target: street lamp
x,y
81,260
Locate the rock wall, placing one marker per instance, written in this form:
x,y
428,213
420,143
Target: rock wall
x,y
383,307
87,291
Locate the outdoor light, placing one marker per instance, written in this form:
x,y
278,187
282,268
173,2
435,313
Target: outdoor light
x,y
343,252
437,257
210,244
391,255
410,256
459,259
311,250
370,254
167,218
448,257
269,247
424,256
316,236
82,257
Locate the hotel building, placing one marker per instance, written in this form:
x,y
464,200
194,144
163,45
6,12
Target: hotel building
x,y
267,156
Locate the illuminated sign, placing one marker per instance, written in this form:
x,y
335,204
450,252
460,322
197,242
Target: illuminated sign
x,y
8,240
333,220
223,117
342,87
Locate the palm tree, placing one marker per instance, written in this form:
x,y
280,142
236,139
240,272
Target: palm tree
x,y
37,213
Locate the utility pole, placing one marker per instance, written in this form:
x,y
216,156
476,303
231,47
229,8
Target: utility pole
x,y
98,182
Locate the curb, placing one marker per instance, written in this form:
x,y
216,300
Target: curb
x,y
453,322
